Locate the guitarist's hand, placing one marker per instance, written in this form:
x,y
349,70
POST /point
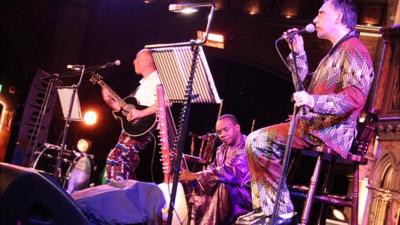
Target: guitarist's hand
x,y
109,100
134,114
187,176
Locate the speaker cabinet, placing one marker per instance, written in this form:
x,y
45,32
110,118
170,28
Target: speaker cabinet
x,y
28,197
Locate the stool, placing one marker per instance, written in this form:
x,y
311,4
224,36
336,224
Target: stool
x,y
355,158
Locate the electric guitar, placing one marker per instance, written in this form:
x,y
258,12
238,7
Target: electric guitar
x,y
133,128
180,211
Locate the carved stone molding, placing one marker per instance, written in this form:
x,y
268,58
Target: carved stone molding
x,y
389,130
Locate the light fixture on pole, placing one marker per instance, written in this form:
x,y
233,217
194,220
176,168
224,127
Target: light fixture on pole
x,y
192,7
195,48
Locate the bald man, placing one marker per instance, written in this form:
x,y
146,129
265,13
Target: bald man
x,y
123,158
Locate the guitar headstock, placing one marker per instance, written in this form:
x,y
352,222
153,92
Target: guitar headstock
x,y
96,78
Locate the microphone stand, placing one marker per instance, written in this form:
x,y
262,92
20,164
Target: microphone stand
x,y
67,124
288,148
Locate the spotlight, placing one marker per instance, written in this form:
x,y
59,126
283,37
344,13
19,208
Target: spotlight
x,y
338,214
83,145
181,7
2,113
90,118
188,8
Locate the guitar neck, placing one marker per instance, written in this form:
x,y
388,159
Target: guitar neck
x,y
113,95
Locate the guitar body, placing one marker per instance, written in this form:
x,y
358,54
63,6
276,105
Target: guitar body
x,y
135,128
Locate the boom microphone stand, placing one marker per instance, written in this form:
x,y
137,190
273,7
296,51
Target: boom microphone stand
x,y
298,84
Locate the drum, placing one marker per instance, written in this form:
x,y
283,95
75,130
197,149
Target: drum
x,y
76,167
46,160
79,172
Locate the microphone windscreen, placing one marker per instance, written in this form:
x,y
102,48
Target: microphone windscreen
x,y
310,28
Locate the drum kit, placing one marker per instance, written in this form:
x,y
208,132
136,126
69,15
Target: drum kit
x,y
77,167
71,168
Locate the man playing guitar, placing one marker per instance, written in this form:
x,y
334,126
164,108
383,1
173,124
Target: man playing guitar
x,y
123,158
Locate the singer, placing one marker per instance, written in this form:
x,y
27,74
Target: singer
x,y
335,97
123,158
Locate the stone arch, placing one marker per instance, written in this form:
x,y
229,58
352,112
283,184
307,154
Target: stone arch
x,y
387,159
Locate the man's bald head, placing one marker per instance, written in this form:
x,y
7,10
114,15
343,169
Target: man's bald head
x,y
144,63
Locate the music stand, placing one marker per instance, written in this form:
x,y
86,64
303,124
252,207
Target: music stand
x,y
65,94
71,109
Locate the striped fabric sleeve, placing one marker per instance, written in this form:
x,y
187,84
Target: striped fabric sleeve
x,y
302,65
339,104
356,76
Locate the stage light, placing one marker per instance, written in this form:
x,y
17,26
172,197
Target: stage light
x,y
214,40
11,90
83,145
90,117
3,114
188,7
338,214
192,7
188,10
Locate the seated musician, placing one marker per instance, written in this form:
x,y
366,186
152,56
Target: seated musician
x,y
224,191
123,158
335,97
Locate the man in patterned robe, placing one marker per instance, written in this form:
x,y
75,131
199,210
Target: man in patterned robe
x,y
335,98
225,184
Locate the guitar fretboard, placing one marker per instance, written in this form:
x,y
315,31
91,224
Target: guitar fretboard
x,y
113,95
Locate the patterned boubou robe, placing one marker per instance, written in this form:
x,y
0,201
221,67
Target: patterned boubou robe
x,y
223,191
339,86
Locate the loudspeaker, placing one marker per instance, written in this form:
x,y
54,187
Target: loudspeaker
x,y
28,197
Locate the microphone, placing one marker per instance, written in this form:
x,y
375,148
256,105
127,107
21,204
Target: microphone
x,y
310,28
107,65
111,64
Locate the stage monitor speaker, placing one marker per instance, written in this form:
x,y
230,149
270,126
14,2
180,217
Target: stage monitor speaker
x,y
28,197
